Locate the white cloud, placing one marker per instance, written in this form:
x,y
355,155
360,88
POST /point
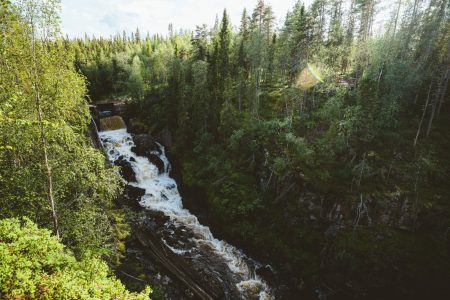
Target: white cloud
x,y
107,17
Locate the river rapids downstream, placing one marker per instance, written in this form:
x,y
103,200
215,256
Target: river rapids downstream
x,y
161,195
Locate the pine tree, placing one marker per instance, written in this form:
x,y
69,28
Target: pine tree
x,y
200,42
318,14
224,46
366,11
335,40
137,36
294,42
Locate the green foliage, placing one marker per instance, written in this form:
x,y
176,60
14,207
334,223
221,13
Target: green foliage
x,y
277,128
35,265
135,81
42,99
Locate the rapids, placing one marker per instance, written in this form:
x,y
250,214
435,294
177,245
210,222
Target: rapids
x,y
161,194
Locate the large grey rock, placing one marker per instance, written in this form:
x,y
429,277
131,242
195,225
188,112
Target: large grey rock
x,y
126,170
131,197
145,145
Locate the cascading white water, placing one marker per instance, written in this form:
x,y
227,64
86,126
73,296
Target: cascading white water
x,y
161,194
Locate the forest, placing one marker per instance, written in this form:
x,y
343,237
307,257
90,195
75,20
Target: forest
x,y
319,146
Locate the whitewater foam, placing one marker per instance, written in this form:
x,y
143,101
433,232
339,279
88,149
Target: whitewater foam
x,y
161,194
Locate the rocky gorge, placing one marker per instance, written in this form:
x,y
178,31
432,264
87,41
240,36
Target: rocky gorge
x,y
166,237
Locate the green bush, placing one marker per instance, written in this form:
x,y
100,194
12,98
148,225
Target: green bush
x,y
35,265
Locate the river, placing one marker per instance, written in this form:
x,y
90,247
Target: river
x,y
161,195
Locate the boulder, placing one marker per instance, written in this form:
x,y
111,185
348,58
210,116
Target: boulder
x,y
154,159
126,170
203,285
156,219
131,197
145,144
267,273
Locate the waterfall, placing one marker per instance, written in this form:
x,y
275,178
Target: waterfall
x,y
161,194
112,123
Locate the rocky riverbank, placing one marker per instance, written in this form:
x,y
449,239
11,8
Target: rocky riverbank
x,y
169,236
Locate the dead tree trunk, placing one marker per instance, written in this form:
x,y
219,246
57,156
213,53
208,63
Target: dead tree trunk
x,y
442,84
444,91
423,115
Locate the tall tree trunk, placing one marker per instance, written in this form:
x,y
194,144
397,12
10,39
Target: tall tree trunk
x,y
423,115
396,17
443,92
432,114
36,80
256,105
48,169
411,25
442,82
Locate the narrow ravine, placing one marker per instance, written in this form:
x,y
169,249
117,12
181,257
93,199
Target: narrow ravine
x,y
161,195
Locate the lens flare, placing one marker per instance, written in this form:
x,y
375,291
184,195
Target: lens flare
x,y
309,77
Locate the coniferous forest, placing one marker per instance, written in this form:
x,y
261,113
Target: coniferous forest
x,y
320,147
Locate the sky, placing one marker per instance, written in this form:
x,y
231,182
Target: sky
x,y
108,17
